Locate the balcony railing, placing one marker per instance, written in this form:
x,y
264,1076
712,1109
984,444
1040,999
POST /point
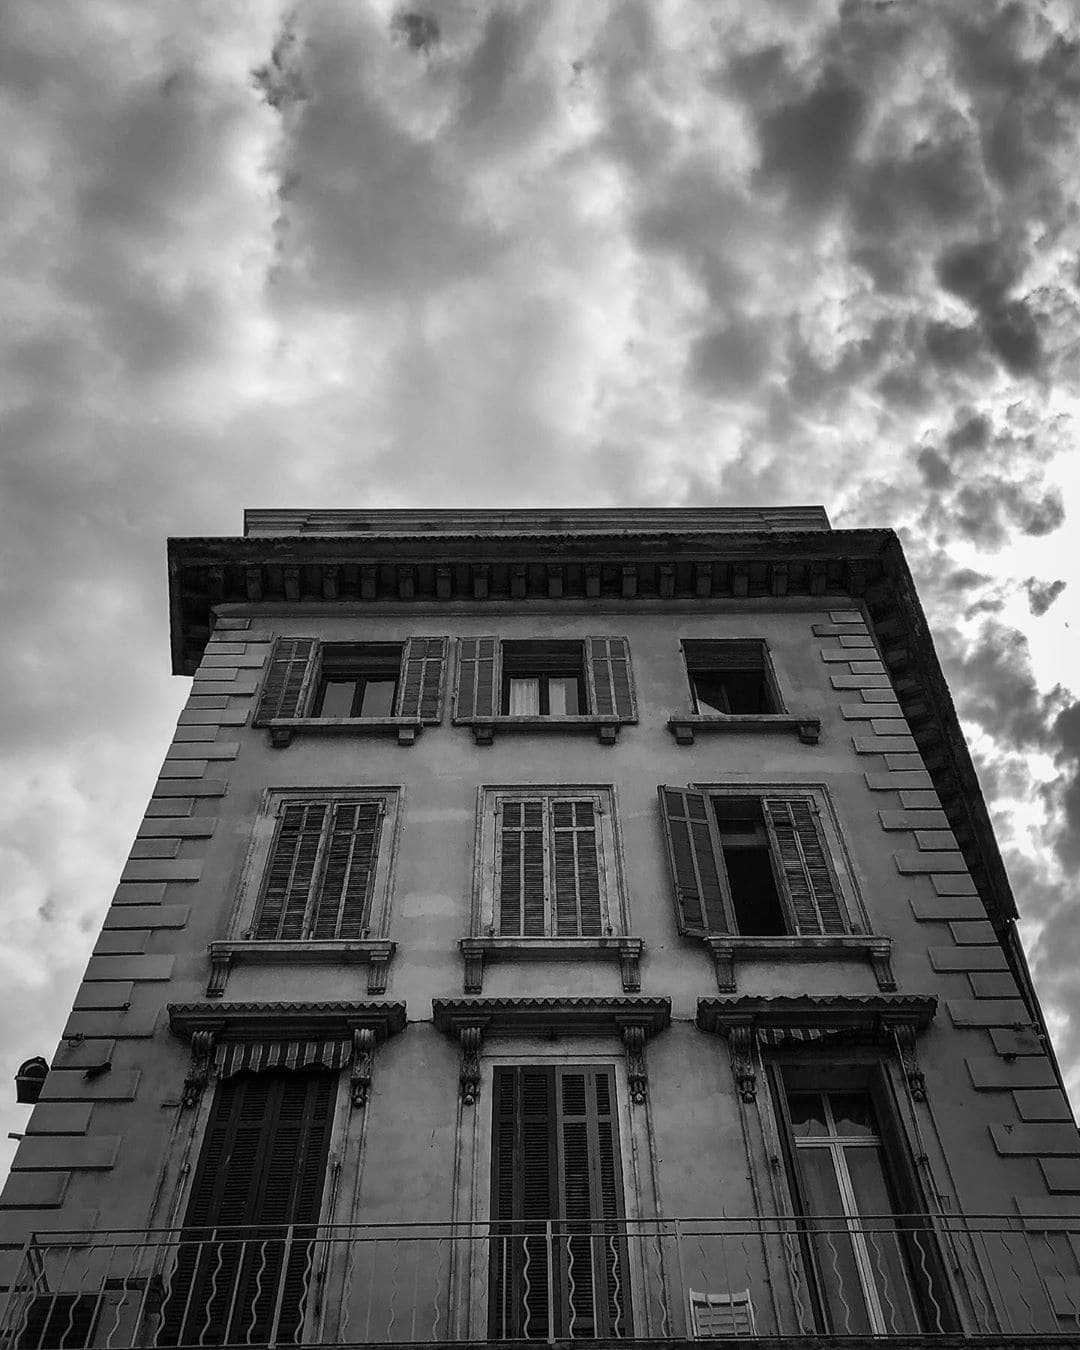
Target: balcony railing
x,y
904,1281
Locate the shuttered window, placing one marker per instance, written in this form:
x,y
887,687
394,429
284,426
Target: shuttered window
x,y
724,882
320,873
549,866
496,678
262,1168
306,677
555,1158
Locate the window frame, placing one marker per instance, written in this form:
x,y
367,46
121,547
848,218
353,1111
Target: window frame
x,y
364,671
869,1073
484,941
239,946
605,726
727,949
768,674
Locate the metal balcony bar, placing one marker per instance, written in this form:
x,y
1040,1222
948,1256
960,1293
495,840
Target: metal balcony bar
x,y
903,1281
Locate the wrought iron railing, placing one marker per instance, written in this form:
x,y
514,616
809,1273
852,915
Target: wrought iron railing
x,y
898,1279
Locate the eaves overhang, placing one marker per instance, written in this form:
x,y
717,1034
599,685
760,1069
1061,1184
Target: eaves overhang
x,y
687,563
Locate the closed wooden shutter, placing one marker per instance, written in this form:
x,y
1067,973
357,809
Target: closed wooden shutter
x,y
476,677
344,889
695,861
800,850
288,679
320,872
421,682
520,882
611,685
555,1156
261,1169
576,862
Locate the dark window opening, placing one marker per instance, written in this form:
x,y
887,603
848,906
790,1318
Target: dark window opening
x,y
59,1322
358,679
543,679
744,843
730,677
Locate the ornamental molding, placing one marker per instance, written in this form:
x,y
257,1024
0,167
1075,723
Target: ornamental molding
x,y
865,1016
286,1021
893,1020
633,1020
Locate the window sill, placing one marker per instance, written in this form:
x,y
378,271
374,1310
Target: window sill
x,y
375,953
484,728
728,948
684,727
283,729
626,950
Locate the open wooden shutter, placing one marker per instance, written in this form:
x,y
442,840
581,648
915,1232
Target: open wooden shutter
x,y
344,888
800,850
524,1195
611,685
477,694
521,879
576,868
291,871
288,678
261,1168
695,861
421,683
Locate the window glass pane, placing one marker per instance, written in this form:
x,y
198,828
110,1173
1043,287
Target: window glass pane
x,y
853,1114
378,700
524,698
710,695
886,1246
838,1274
562,696
807,1114
337,698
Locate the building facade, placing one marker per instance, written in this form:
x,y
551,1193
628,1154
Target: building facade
x,y
552,925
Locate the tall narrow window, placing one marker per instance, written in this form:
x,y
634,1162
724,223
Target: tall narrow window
x,y
558,1250
244,1265
319,878
873,1268
550,877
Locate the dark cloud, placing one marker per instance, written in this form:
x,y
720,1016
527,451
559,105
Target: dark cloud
x,y
983,273
807,146
1042,594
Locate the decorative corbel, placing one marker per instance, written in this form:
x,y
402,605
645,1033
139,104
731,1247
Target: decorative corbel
x,y
810,731
630,967
470,1064
880,954
220,965
909,1060
378,966
741,1047
363,1060
474,970
723,955
198,1075
606,733
636,1072
483,733
280,737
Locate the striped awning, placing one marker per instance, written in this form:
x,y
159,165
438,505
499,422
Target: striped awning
x,y
258,1056
796,1035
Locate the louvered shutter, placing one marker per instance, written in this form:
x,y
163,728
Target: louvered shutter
x,y
803,859
261,1168
611,684
576,868
476,691
521,867
344,888
287,681
695,861
421,682
524,1196
291,871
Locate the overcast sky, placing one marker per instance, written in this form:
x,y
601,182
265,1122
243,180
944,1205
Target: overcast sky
x,y
601,252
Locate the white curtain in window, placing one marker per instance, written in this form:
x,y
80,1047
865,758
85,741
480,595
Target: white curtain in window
x,y
524,698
